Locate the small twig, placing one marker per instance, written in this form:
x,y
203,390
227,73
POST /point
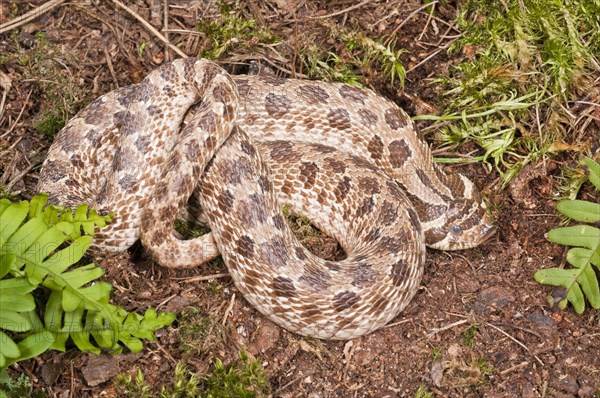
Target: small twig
x,y
345,10
229,309
412,14
151,29
160,347
520,327
110,67
435,331
513,368
202,278
19,176
516,341
426,23
19,116
466,260
389,325
286,385
433,54
6,85
165,301
166,28
183,31
29,16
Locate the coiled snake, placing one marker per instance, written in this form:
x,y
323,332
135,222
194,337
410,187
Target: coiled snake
x,y
349,160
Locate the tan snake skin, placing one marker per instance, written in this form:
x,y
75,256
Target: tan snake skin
x,y
344,157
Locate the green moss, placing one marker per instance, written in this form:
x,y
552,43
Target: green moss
x,y
20,387
231,32
49,123
245,378
436,353
194,328
360,53
468,336
422,392
525,61
190,230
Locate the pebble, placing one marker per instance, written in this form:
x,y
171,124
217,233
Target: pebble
x,y
264,338
541,320
566,384
100,369
497,296
528,391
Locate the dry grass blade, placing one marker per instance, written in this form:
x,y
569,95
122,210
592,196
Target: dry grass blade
x,y
151,28
29,16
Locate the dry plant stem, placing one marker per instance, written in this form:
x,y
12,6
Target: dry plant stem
x,y
6,85
435,331
18,116
19,177
516,341
513,368
203,278
412,14
29,16
151,29
344,11
433,54
110,67
427,23
229,309
397,323
166,28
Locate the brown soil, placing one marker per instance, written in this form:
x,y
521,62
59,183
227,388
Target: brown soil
x,y
480,324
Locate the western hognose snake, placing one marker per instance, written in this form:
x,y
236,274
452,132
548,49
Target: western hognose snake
x,y
349,160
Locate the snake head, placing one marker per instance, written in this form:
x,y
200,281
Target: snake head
x,y
465,223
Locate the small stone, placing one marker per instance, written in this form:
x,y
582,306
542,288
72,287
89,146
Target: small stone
x,y
541,320
179,303
586,392
437,373
100,369
264,338
497,296
467,285
566,384
528,391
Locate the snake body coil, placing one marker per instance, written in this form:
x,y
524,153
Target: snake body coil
x,y
349,160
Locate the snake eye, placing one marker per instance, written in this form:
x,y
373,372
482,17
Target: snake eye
x,y
456,229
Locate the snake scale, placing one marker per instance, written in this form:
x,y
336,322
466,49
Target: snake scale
x,y
244,146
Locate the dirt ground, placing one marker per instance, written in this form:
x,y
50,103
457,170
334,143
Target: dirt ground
x,y
479,325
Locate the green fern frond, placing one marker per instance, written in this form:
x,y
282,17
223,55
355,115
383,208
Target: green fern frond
x,y
40,247
581,281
